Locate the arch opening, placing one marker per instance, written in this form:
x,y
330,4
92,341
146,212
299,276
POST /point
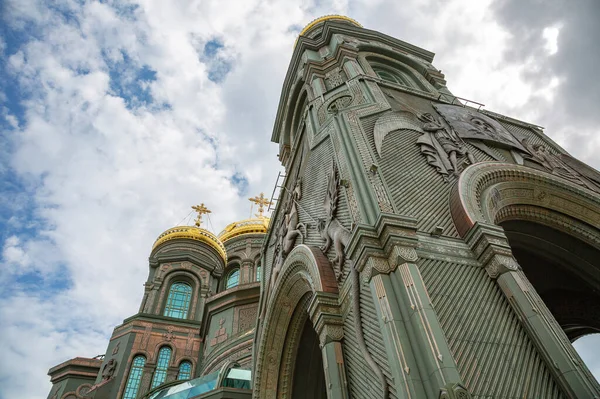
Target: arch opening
x,y
552,228
305,280
309,376
564,270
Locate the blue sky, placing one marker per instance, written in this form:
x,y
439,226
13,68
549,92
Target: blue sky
x,y
117,116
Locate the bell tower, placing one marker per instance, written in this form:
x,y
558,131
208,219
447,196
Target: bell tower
x,y
411,235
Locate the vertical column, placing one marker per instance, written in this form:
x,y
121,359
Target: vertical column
x,y
421,360
433,354
246,272
327,321
490,245
407,378
418,354
335,372
352,69
318,85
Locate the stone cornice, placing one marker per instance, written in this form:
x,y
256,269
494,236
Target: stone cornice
x,y
180,256
490,245
325,315
158,319
77,367
378,241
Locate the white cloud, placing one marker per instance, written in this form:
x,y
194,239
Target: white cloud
x,y
14,254
551,33
111,176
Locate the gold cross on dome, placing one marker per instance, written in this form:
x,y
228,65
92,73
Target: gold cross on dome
x,y
261,201
201,209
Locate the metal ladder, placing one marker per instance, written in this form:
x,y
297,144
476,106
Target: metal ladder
x,y
273,200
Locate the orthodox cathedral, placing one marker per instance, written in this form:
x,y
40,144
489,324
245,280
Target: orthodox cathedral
x,y
420,246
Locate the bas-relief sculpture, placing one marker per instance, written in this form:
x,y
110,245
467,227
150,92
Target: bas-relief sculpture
x,y
556,165
330,229
443,140
288,230
473,125
442,146
108,371
479,130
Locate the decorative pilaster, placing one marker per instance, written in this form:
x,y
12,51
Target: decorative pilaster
x,y
432,353
147,377
406,375
418,354
325,315
246,272
172,372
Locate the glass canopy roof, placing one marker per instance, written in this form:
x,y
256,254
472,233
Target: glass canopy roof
x,y
231,378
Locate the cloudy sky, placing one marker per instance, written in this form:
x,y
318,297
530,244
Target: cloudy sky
x,y
116,116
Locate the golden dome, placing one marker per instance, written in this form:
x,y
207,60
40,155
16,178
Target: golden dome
x,y
248,226
192,233
328,17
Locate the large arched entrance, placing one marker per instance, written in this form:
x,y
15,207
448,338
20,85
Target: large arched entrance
x,y
301,332
545,257
564,272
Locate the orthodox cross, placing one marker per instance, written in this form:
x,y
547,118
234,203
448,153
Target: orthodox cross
x,y
261,201
201,209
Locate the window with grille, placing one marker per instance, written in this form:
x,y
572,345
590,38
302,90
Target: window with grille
x,y
233,279
185,371
135,376
178,301
160,374
392,76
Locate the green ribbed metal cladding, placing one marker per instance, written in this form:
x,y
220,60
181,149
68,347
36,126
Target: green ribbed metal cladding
x,y
495,357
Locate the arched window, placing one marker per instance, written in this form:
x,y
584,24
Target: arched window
x,y
160,374
178,301
391,75
135,376
185,371
233,279
257,273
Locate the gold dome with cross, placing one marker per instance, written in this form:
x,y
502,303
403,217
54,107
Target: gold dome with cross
x,y
195,232
257,225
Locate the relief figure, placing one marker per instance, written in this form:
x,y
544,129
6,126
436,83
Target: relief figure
x,y
442,146
330,229
288,230
554,164
108,371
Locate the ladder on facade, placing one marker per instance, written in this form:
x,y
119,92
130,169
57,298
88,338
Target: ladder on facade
x,y
273,200
454,100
